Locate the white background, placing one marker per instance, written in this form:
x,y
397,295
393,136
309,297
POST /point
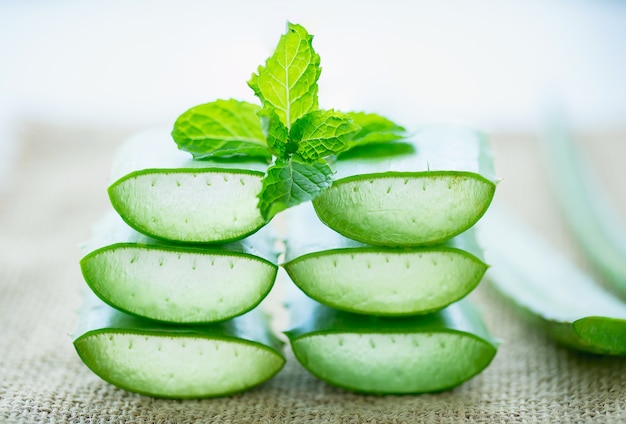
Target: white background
x,y
495,64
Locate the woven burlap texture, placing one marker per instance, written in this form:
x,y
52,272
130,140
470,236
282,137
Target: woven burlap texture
x,y
57,189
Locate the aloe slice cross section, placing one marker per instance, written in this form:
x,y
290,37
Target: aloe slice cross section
x,y
169,361
427,353
549,290
407,194
378,280
175,283
162,192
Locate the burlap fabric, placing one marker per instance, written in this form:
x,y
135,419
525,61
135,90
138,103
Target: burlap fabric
x,y
57,190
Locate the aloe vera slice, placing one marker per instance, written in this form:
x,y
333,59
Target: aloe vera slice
x,y
176,283
549,290
360,278
591,216
435,188
162,192
426,353
170,361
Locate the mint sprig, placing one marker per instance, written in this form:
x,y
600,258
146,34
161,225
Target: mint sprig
x,y
288,129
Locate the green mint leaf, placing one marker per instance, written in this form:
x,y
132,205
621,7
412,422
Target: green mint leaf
x,y
321,133
220,129
275,131
288,81
374,129
290,182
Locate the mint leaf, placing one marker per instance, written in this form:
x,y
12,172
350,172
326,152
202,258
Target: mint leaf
x,y
219,129
290,182
374,129
321,133
275,132
288,81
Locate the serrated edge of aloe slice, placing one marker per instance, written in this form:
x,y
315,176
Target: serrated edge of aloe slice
x,y
327,216
118,205
95,370
383,250
175,249
402,174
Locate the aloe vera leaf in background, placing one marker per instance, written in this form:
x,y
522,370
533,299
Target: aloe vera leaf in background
x,y
407,194
548,289
426,353
378,280
162,192
170,361
591,216
175,283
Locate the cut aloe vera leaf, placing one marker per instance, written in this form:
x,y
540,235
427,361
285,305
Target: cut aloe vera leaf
x,y
377,280
591,216
170,361
427,353
162,192
549,290
175,283
438,186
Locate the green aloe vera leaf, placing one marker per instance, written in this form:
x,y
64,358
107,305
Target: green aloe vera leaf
x,y
426,353
176,283
355,277
170,361
408,194
550,290
162,192
586,206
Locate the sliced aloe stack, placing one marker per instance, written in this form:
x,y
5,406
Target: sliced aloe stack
x,y
377,280
176,283
422,192
169,361
426,353
549,290
162,192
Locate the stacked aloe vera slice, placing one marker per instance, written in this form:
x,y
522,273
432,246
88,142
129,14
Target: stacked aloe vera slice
x,y
177,271
389,271
176,276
